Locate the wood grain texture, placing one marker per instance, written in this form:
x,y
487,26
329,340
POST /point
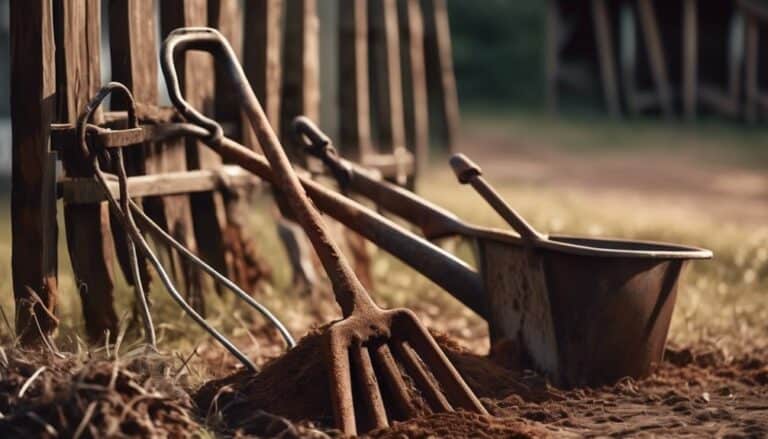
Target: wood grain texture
x,y
354,91
244,263
78,33
415,105
33,221
441,81
133,41
387,96
262,41
301,82
196,76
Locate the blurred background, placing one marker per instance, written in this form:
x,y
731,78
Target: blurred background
x,y
639,119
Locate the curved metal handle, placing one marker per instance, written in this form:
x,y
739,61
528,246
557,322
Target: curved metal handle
x,y
349,292
468,171
176,44
317,144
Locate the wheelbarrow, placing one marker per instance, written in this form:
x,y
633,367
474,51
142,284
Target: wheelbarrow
x,y
585,311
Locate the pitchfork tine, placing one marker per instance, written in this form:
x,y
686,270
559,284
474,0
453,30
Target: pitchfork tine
x,y
369,385
395,382
457,390
340,381
416,370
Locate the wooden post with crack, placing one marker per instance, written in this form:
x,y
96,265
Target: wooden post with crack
x,y
33,200
197,79
89,238
245,266
133,40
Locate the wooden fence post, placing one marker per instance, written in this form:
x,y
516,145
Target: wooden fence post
x,y
262,61
441,80
133,40
244,264
78,36
33,215
301,82
354,92
387,97
197,79
416,107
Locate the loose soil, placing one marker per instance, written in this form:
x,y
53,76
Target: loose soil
x,y
696,391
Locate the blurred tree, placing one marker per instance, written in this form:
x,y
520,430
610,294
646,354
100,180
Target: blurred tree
x,y
498,48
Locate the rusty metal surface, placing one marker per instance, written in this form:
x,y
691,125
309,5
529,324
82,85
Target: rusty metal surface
x,y
368,337
599,316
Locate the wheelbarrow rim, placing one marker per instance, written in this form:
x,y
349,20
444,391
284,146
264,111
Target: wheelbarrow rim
x,y
597,247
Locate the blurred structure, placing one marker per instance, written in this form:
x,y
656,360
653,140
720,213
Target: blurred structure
x,y
675,59
5,97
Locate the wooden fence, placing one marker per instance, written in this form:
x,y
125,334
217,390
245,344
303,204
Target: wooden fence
x,y
393,60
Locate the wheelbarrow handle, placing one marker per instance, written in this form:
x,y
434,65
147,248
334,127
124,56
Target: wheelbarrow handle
x,y
317,144
468,172
433,221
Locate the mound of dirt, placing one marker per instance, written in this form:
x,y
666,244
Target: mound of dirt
x,y
42,395
295,387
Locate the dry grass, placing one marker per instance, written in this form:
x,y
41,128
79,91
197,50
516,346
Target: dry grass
x,y
720,301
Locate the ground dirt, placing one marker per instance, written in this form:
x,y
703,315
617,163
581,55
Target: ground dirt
x,y
695,392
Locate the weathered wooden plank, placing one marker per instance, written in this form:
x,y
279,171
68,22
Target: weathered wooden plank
x,y
244,269
133,39
300,94
261,59
87,190
441,81
354,92
387,96
78,34
33,220
656,57
415,105
131,25
301,82
244,264
196,76
604,39
227,17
